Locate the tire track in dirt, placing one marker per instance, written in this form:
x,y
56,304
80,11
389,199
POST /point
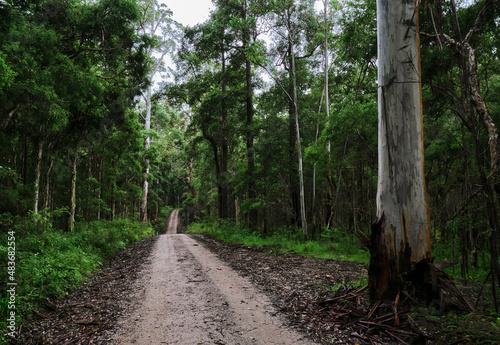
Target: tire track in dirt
x,y
189,296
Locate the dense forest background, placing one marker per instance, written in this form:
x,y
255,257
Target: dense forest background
x,y
268,120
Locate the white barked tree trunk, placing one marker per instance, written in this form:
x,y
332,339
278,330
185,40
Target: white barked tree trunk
x,y
401,234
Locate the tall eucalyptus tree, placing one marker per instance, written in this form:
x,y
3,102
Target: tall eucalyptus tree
x,y
158,26
294,28
402,231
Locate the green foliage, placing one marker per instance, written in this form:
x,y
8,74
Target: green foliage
x,y
7,75
451,252
359,37
50,262
340,246
256,52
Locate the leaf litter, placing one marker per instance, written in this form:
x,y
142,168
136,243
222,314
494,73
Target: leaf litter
x,y
316,296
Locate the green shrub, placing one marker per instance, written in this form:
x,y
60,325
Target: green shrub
x,y
50,262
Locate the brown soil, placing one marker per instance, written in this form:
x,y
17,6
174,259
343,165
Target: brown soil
x,y
171,290
299,286
188,296
172,224
319,297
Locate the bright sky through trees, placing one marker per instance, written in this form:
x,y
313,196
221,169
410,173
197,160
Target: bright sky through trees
x,y
189,12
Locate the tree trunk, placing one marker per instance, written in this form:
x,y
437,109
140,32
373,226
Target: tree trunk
x,y
329,179
90,189
47,181
6,120
25,158
299,148
237,208
37,176
292,138
113,197
252,193
147,126
314,168
402,232
325,53
147,144
222,178
101,176
471,94
494,145
72,207
337,189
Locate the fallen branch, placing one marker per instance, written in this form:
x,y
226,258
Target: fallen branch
x,y
38,313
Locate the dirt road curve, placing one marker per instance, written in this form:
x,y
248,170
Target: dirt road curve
x,y
188,296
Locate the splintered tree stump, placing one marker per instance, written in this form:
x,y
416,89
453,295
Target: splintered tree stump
x,y
390,273
386,265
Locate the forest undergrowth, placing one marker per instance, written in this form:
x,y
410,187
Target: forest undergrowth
x,y
446,325
333,244
49,262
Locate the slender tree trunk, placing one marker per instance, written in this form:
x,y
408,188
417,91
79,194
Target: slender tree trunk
x,y
47,181
337,189
218,173
299,148
402,232
292,147
494,146
471,94
237,209
37,176
147,144
101,175
72,207
292,138
6,120
222,179
90,189
25,158
113,197
314,167
252,193
147,125
329,179
144,202
325,53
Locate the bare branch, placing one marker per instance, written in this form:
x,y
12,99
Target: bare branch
x,y
477,23
435,28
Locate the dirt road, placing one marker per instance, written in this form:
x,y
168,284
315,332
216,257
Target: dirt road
x,y
173,222
188,296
